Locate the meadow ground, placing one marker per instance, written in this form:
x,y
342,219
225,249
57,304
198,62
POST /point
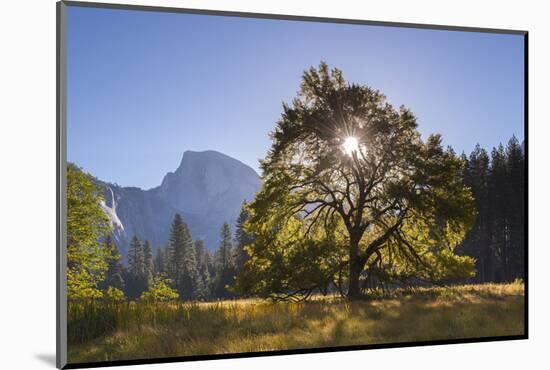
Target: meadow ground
x,y
102,332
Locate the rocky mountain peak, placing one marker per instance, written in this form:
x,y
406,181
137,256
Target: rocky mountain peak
x,y
207,189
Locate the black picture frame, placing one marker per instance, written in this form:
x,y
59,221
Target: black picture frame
x,y
61,146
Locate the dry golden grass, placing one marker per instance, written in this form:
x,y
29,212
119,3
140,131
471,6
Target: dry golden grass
x,y
146,331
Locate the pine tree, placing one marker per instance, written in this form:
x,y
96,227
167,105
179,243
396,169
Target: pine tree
x,y
160,261
225,268
175,251
225,252
148,266
115,270
498,208
477,243
135,257
204,281
137,279
210,263
190,281
182,266
515,168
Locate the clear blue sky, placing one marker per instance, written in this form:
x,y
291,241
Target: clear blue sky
x,y
143,87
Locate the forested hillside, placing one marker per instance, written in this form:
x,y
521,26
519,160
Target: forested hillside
x,y
183,268
497,239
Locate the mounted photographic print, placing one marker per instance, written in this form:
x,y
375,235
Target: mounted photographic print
x,y
234,184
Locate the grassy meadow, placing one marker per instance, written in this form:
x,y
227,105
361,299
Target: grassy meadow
x,y
100,331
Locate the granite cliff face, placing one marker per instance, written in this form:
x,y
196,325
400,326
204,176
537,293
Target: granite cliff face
x,y
207,189
208,184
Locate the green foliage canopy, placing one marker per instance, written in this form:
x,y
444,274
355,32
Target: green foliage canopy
x,y
160,290
394,201
87,227
114,294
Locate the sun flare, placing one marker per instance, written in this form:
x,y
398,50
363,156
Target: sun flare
x,y
350,145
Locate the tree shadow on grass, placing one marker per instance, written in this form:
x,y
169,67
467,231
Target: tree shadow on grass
x,y
412,320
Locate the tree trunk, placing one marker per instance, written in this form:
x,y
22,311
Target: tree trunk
x,y
355,268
